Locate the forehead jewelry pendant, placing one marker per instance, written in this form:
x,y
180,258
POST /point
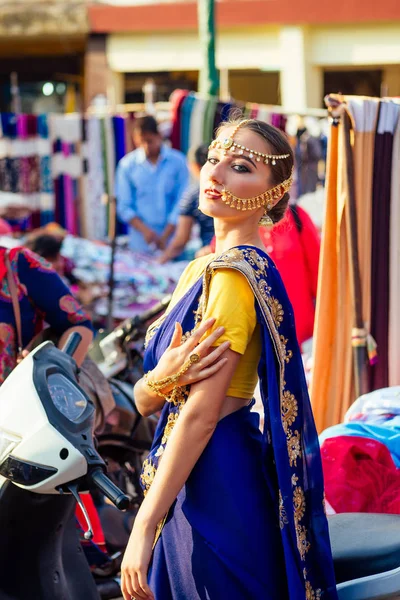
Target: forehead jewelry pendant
x,y
227,143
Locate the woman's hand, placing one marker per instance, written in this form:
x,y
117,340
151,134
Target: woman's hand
x,y
136,562
178,353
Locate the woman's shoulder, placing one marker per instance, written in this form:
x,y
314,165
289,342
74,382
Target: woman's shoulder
x,y
192,273
229,283
196,267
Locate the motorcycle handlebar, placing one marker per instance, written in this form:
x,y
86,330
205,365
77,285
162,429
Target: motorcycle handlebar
x,y
72,343
141,319
109,489
154,310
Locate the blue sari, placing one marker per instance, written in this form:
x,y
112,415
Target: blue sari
x,y
250,521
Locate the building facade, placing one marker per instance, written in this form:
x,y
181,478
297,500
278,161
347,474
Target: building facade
x,y
268,51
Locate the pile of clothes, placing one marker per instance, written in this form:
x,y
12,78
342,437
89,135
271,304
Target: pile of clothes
x,y
139,280
361,457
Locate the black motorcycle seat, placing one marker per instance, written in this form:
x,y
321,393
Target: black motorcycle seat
x,y
364,544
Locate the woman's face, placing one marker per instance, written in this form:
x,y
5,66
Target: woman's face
x,y
244,177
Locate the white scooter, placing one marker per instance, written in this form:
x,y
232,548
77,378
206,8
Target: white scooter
x,y
47,456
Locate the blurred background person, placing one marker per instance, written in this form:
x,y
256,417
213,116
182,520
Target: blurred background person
x,y
49,247
149,184
294,246
190,214
42,298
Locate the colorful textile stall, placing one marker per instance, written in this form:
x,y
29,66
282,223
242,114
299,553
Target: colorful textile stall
x,y
358,285
60,167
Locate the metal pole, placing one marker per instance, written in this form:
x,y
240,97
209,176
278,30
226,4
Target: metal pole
x,y
15,95
208,79
113,238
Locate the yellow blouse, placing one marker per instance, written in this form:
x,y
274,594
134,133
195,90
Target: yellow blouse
x,y
231,303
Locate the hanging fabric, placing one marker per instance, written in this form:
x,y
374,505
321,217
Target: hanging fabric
x,y
388,116
357,292
364,115
331,387
394,270
177,99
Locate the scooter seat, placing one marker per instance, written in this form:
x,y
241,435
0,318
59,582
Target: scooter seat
x,y
364,544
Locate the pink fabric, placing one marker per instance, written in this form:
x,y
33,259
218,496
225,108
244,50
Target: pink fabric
x,y
360,476
5,228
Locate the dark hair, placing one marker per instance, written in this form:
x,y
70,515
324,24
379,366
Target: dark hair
x,y
146,124
46,246
278,144
198,155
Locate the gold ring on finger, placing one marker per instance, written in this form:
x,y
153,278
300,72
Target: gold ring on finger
x,y
194,358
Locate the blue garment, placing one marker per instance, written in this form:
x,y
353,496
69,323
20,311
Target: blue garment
x,y
43,297
249,522
189,207
150,192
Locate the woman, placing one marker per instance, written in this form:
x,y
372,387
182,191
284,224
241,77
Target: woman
x,y
42,298
231,512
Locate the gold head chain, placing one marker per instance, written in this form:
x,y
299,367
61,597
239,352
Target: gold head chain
x,y
266,199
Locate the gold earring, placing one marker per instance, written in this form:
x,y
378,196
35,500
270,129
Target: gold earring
x,y
266,220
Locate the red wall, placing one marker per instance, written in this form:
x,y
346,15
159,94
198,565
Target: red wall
x,y
183,15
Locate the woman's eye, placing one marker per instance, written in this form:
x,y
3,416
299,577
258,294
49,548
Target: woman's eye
x,y
241,168
212,160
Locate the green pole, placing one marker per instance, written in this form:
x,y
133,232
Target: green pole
x,y
209,78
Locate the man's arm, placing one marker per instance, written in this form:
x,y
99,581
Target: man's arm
x,y
181,184
125,193
180,239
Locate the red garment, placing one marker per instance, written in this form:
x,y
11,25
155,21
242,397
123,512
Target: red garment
x,y
360,475
98,535
296,255
5,229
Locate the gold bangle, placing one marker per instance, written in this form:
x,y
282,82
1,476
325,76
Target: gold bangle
x,y
158,386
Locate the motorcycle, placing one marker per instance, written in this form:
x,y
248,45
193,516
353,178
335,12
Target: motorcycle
x,y
366,554
47,458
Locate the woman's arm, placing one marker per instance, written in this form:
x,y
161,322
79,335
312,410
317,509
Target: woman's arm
x,y
147,401
193,430
179,241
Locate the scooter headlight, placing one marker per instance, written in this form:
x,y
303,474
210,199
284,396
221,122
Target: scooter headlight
x,y
8,442
66,396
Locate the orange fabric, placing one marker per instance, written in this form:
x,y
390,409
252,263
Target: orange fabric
x,y
332,386
326,313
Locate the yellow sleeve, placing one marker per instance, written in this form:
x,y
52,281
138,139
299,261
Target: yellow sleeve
x,y
231,303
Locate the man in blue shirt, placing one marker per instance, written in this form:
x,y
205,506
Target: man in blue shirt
x,y
149,184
